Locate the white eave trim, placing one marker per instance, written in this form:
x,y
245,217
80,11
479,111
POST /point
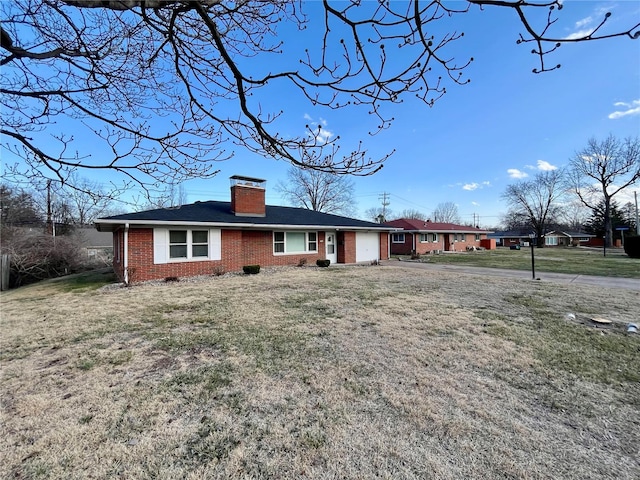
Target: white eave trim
x,y
257,226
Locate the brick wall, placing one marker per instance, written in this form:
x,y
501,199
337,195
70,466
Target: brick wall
x,y
239,248
247,200
402,248
464,241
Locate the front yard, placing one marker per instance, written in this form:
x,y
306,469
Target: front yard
x,y
579,261
357,372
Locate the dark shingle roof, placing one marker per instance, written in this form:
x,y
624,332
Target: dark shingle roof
x,y
220,212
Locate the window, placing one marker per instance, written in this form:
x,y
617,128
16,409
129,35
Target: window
x,y
397,237
463,237
551,240
295,242
186,245
278,242
428,237
177,244
477,237
312,241
199,243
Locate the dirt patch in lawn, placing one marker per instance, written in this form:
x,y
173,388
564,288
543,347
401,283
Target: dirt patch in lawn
x,y
354,372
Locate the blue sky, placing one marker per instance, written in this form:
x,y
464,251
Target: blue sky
x,y
506,124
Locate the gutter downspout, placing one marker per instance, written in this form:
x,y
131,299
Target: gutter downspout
x,y
125,263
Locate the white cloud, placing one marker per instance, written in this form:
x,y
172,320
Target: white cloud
x,y
515,173
546,166
584,22
475,204
632,108
321,134
586,26
470,186
579,34
486,184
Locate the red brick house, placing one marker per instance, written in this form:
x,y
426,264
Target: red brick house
x,y
426,236
206,237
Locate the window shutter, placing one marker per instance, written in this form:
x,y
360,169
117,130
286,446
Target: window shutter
x,y
160,245
215,244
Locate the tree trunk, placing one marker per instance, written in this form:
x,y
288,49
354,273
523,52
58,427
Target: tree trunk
x,y
608,228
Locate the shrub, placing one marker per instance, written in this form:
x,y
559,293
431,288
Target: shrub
x,y
251,269
302,262
323,263
217,271
36,257
632,246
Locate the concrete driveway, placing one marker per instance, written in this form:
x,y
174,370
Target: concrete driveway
x,y
607,282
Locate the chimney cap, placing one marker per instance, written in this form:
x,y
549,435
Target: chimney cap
x,y
247,181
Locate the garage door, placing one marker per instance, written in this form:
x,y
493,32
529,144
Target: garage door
x,y
367,246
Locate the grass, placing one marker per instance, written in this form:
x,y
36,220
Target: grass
x,y
578,261
358,372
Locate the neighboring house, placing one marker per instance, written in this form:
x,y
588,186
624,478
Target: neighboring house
x,y
97,245
421,236
510,238
208,237
551,239
563,239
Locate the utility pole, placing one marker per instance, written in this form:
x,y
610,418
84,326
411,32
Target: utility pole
x,y
385,203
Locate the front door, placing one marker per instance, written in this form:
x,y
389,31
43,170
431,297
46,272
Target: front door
x,y
330,245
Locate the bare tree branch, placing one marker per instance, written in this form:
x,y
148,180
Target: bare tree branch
x,y
168,88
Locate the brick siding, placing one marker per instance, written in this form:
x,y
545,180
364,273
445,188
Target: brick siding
x,y
246,200
445,241
239,248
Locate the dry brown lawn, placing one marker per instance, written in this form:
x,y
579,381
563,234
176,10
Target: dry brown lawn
x,y
358,372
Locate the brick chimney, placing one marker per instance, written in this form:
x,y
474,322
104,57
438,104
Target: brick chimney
x,y
247,196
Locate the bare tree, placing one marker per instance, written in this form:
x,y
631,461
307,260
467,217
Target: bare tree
x,y
17,209
378,214
536,200
574,215
446,212
602,170
79,205
412,214
318,191
515,220
166,87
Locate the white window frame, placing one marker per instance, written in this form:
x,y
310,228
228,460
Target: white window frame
x,y
310,238
463,237
162,244
424,237
551,241
395,238
477,237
